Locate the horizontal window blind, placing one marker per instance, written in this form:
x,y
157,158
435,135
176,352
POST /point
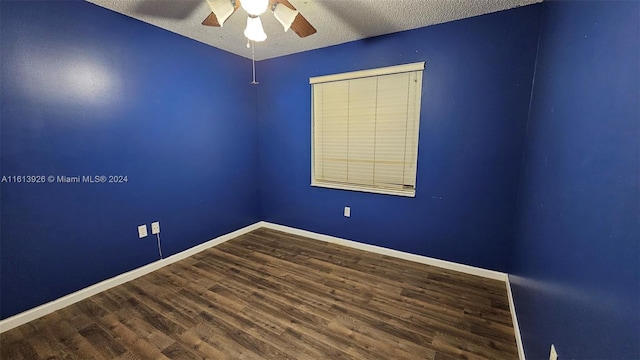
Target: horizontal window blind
x,y
365,129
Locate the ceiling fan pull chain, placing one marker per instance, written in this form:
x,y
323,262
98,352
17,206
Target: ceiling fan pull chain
x,y
253,63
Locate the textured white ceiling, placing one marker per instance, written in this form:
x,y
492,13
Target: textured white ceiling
x,y
337,21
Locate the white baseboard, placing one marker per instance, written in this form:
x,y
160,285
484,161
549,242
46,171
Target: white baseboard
x,y
496,275
44,309
516,327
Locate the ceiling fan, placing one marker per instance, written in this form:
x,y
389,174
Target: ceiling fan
x,y
284,12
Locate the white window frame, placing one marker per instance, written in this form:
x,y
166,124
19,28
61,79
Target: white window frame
x,y
418,68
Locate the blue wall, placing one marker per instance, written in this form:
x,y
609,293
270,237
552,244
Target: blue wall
x,y
86,91
576,269
475,102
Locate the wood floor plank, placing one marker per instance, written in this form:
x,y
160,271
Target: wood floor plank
x,y
132,341
274,295
18,350
363,352
42,347
102,341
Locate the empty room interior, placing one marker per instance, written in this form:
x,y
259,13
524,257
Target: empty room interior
x,y
437,179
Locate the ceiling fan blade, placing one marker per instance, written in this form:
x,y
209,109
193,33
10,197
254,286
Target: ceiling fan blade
x,y
300,25
212,19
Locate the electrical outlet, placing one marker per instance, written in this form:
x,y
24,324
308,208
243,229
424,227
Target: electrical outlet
x,y
553,355
155,227
347,211
142,231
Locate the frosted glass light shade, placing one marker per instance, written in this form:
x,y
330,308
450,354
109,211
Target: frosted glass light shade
x,y
285,15
254,7
222,9
254,30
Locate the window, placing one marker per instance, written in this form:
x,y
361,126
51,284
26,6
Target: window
x,y
365,129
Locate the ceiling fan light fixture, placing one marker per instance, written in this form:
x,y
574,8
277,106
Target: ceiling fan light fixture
x,y
222,9
254,30
255,7
285,15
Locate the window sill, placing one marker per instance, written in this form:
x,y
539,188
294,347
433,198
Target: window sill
x,y
405,193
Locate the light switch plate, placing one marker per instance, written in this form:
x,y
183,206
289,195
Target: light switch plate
x,y
155,227
347,211
142,231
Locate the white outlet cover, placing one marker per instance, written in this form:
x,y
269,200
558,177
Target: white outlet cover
x,y
347,211
155,227
553,355
142,231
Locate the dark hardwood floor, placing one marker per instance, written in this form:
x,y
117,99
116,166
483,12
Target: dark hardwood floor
x,y
272,295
